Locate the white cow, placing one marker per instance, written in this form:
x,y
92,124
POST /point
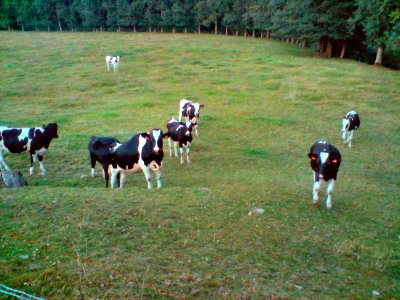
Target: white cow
x,y
113,60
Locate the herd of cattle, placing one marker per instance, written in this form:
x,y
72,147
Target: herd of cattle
x,y
144,151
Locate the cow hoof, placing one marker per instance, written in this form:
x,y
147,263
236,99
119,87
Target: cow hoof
x,y
315,203
42,174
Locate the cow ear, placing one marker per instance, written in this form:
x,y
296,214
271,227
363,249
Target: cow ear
x,y
44,126
146,135
166,135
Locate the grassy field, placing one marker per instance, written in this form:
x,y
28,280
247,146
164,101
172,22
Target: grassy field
x,y
67,237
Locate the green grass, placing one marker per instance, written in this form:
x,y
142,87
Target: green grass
x,y
66,237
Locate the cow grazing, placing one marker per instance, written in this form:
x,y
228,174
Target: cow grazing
x,y
101,150
144,152
325,162
190,111
180,133
113,60
35,141
350,122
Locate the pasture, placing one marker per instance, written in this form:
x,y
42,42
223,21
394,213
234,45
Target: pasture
x,y
67,237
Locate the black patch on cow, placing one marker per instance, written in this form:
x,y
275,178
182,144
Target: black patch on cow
x,y
31,133
354,121
331,166
101,150
12,141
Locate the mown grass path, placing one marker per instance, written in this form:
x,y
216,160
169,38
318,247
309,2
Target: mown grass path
x,y
66,237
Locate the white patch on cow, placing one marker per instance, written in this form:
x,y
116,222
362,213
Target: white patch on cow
x,y
157,136
316,188
324,156
172,120
180,126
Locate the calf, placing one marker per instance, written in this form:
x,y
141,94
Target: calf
x,y
325,162
181,134
113,60
100,150
144,152
191,111
35,141
350,122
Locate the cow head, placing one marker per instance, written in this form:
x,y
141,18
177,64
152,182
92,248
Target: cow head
x,y
196,113
326,164
155,139
51,130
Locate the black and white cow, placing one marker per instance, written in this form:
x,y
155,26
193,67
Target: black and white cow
x,y
180,133
113,60
101,150
190,111
144,152
350,122
35,141
325,162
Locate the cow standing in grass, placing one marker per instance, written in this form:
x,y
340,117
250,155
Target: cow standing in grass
x,y
181,134
350,122
143,152
113,60
325,162
101,150
34,140
190,111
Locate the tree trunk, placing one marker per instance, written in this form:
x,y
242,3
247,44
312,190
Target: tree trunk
x,y
9,28
173,29
134,27
269,34
216,27
22,26
226,30
262,34
292,40
185,29
379,55
199,29
254,33
59,25
329,49
48,27
237,32
12,179
343,50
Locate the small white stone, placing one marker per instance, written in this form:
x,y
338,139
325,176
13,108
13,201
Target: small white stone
x,y
375,293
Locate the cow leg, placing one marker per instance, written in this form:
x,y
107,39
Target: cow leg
x,y
2,162
331,184
41,165
188,154
31,169
122,179
316,188
114,174
105,173
181,153
176,148
108,66
158,176
349,138
195,128
344,136
170,147
93,164
147,174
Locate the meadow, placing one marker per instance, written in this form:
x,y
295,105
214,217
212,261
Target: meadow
x,y
67,237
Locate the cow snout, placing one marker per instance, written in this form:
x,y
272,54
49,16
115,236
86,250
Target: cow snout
x,y
321,176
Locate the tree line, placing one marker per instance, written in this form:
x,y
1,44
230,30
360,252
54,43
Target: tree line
x,y
367,30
